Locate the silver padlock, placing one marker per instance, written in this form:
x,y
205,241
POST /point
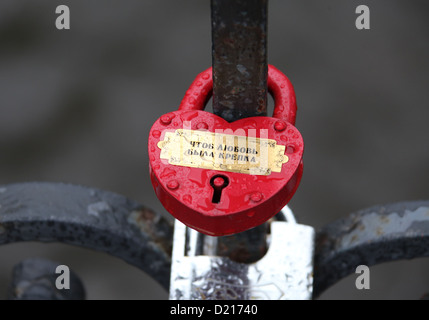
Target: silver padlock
x,y
284,273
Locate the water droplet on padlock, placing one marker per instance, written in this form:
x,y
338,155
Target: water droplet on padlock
x,y
256,197
187,198
284,138
290,148
173,185
280,125
188,116
156,133
167,118
250,214
168,172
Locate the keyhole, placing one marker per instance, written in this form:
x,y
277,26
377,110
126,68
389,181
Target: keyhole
x,y
218,183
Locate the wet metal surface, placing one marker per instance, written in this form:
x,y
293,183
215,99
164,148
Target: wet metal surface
x,y
239,60
379,234
239,33
86,217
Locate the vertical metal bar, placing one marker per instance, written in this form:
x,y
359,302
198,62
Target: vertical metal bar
x,y
239,58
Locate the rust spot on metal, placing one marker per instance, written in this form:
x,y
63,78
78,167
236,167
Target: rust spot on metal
x,y
144,216
157,227
240,251
379,232
384,219
323,239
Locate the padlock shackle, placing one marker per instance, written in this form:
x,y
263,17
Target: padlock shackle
x,y
279,86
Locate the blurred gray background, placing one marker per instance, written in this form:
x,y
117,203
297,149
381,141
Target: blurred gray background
x,y
76,106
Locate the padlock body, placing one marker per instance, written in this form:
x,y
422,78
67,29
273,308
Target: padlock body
x,y
284,273
259,158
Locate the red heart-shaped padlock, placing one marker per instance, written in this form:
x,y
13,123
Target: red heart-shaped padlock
x,y
222,178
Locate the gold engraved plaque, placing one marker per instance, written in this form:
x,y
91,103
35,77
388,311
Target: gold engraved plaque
x,y
223,152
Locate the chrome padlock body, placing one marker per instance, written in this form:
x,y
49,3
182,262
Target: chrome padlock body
x,y
284,273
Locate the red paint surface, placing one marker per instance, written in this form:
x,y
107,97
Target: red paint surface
x,y
237,211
